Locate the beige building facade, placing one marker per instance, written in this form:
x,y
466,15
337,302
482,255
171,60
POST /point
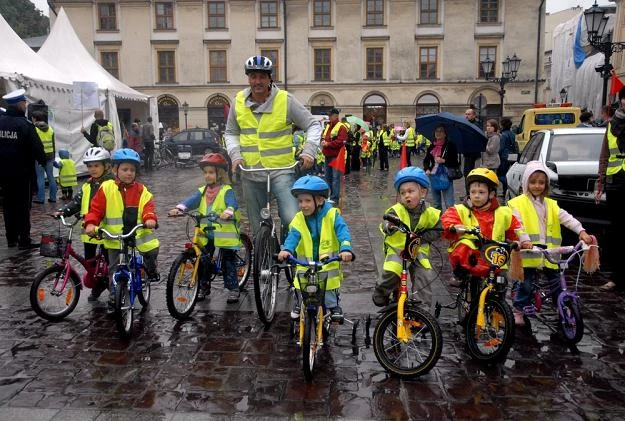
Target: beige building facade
x,y
388,60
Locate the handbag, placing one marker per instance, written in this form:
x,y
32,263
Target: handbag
x,y
454,173
440,180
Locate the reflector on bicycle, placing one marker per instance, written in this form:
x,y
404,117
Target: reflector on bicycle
x,y
496,255
311,289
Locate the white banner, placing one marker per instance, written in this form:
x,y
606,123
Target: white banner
x,y
85,96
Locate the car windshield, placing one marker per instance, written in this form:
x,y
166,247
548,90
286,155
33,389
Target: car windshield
x,y
575,147
551,119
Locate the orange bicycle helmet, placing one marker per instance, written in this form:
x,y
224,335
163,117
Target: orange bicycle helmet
x,y
214,160
483,175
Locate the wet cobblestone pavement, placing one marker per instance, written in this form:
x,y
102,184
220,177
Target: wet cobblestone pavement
x,y
222,364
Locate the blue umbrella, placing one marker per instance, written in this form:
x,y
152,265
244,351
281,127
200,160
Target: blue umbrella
x,y
467,136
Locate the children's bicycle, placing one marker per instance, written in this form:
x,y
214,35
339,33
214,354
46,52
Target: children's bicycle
x,y
182,283
566,302
407,341
55,291
129,280
481,305
266,244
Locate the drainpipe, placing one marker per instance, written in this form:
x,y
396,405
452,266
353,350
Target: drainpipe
x,y
286,78
52,7
539,33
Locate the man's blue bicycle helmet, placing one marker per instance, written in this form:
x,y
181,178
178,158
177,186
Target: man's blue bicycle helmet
x,y
411,174
126,155
310,184
258,64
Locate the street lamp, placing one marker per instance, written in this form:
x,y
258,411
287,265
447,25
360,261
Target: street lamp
x,y
185,110
563,95
596,22
509,69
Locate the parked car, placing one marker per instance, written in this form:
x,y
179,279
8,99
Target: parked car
x,y
200,140
572,159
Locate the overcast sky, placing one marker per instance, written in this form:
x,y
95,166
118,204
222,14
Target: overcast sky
x,y
552,5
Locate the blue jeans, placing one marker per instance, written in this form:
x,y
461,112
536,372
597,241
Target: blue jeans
x,y
256,198
438,196
42,173
333,178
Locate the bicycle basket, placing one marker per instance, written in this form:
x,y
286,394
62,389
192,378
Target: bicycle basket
x,y
52,245
312,293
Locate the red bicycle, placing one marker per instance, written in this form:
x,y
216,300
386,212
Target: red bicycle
x,y
55,290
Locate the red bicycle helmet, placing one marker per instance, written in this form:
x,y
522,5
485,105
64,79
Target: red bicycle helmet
x,y
214,160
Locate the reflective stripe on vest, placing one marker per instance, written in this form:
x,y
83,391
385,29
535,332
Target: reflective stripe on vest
x,y
84,209
67,173
267,142
46,139
394,244
226,233
614,164
410,138
553,235
114,222
386,138
328,247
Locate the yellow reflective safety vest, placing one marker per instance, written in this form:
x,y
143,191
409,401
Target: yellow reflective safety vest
x,y
394,244
67,173
226,233
47,139
84,209
531,225
328,247
410,137
335,130
386,138
268,142
114,218
615,164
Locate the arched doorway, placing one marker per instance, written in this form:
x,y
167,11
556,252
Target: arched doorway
x,y
374,109
217,110
168,112
321,104
427,104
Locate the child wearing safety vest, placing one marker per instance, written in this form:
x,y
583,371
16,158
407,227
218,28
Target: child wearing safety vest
x,y
67,174
216,196
98,162
412,185
541,218
365,151
118,206
317,231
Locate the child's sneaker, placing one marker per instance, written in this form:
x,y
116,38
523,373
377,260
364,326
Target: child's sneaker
x,y
379,299
518,317
295,311
336,315
233,296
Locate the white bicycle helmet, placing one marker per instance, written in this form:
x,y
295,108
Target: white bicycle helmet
x,y
258,64
96,154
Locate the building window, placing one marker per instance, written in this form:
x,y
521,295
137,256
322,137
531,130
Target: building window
x,y
273,56
428,12
427,62
166,66
489,11
164,15
375,12
427,104
322,15
216,15
218,68
110,62
487,52
268,14
107,16
374,110
374,63
322,64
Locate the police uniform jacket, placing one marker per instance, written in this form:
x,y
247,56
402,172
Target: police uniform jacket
x,y
20,146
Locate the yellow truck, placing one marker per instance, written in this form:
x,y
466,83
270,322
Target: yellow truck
x,y
541,116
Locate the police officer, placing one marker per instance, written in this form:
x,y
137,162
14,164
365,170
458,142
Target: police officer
x,y
20,147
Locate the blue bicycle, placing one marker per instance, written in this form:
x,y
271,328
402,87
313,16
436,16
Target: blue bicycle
x,y
129,280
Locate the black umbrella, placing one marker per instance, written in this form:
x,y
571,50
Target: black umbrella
x,y
467,137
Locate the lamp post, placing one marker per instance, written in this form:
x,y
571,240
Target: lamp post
x,y
185,110
595,26
563,95
510,67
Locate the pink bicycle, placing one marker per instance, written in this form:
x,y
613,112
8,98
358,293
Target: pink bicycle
x,y
55,290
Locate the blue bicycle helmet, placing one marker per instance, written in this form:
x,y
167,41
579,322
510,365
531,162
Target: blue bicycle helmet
x,y
310,184
411,174
258,64
126,155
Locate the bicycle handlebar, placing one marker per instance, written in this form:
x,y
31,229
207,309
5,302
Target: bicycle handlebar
x,y
549,253
513,245
64,223
403,227
242,168
320,264
119,236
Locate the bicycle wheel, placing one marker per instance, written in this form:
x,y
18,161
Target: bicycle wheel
x,y
146,290
265,281
243,261
491,343
570,320
311,343
49,301
123,308
181,290
412,358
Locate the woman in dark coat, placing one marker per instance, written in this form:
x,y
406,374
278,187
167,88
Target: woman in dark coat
x,y
440,155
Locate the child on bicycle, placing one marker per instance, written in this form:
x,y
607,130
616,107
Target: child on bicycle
x,y
216,196
118,206
541,218
482,210
98,162
412,185
317,231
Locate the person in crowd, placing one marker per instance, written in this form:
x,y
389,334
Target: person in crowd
x,y
147,134
348,145
46,134
354,159
100,131
334,137
471,158
318,230
507,145
258,135
441,154
409,138
607,112
384,144
20,150
490,157
586,119
412,184
365,151
135,141
67,174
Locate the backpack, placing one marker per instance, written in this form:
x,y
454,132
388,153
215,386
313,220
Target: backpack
x,y
106,137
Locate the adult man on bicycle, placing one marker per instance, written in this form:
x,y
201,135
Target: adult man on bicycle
x,y
258,135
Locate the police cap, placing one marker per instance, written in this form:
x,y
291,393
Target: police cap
x,y
15,97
